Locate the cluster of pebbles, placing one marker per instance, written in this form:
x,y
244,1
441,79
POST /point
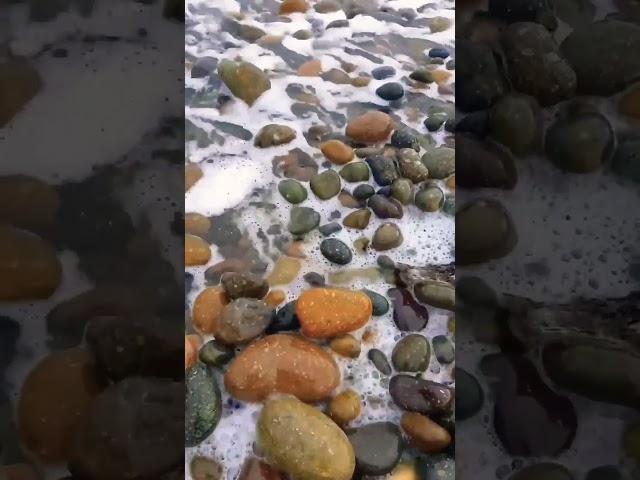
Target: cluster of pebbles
x,y
320,180
547,156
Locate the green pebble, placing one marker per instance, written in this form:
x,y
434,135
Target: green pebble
x,y
411,354
380,303
401,190
215,354
358,219
302,220
326,184
430,199
355,172
292,191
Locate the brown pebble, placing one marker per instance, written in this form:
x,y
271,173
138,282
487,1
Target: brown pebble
x,y
450,182
255,469
336,151
345,407
369,335
196,224
196,250
425,434
361,81
192,173
295,249
285,270
191,347
29,203
370,127
207,308
310,68
274,298
346,345
293,6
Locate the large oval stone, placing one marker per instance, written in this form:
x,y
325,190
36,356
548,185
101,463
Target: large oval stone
x,y
55,399
329,312
242,320
416,394
303,442
370,127
29,266
245,80
282,364
203,406
377,447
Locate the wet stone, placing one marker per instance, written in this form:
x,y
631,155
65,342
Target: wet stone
x,y
377,446
429,199
204,468
386,237
480,83
273,134
341,23
364,191
255,469
293,6
244,285
19,83
604,472
358,219
345,407
512,11
296,164
245,80
215,354
514,121
314,279
337,152
327,6
326,184
349,201
242,320
438,52
484,164
441,162
581,143
361,244
443,349
355,172
411,167
380,303
408,315
402,190
469,394
346,345
292,191
329,228
202,405
380,73
626,160
204,67
302,220
543,471
379,360
390,91
370,127
411,354
415,394
285,319
435,121
385,207
436,293
425,434
336,251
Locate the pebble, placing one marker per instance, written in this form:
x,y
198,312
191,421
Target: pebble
x,y
196,251
346,345
364,191
292,191
411,354
361,244
329,312
19,76
355,172
484,164
581,143
543,471
441,162
273,135
310,68
244,285
345,407
325,185
435,121
626,160
215,354
349,201
293,6
415,394
29,266
303,442
245,80
411,167
425,434
28,203
370,127
436,293
242,320
202,405
196,224
285,319
302,220
379,302
386,237
385,207
438,52
443,349
336,251
205,468
604,472
207,308
408,315
329,229
402,190
377,446
405,139
358,219
384,169
379,360
284,364
337,152
47,415
390,91
484,231
380,73
469,394
514,121
314,279
629,103
340,23
191,346
327,6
